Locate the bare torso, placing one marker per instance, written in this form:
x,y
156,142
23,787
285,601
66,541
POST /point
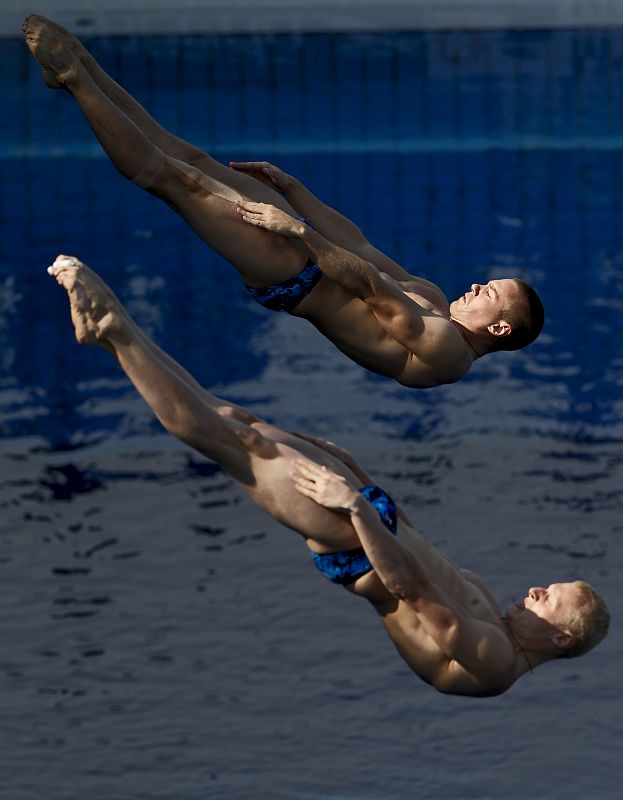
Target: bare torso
x,y
403,625
350,324
327,531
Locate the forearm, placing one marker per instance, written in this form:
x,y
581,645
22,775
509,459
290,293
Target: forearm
x,y
397,568
326,220
359,277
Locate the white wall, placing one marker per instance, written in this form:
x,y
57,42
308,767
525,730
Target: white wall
x,y
219,16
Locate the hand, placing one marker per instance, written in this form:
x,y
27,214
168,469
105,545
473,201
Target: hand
x,y
265,172
324,486
270,217
334,449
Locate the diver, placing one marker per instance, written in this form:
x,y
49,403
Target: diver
x,y
444,622
293,252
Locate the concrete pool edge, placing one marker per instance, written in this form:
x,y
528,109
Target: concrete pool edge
x,y
306,16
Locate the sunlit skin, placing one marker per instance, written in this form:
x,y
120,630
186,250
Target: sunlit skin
x,y
541,614
269,226
485,305
442,619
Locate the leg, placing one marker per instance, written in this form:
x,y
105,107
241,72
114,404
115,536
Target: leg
x,y
170,144
208,206
100,319
251,451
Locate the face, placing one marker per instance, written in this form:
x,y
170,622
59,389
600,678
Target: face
x,y
551,605
485,304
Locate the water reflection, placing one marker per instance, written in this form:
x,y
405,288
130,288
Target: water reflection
x,y
138,583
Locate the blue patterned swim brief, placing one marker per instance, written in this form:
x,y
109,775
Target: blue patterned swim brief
x,y
345,566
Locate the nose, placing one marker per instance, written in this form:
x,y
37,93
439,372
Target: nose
x,y
475,288
535,592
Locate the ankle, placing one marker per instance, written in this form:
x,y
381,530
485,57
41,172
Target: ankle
x,y
75,77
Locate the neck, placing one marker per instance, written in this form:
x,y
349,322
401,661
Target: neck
x,y
528,657
472,340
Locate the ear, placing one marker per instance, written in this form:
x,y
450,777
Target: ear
x,y
563,640
499,329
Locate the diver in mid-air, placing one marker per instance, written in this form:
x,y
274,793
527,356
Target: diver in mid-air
x,y
293,252
442,619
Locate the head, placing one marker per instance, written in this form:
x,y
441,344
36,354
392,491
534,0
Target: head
x,y
563,620
506,312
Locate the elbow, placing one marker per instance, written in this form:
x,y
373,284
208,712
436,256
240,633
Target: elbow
x,y
451,638
401,585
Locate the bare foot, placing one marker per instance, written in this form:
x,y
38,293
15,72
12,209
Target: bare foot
x,y
97,315
57,61
68,39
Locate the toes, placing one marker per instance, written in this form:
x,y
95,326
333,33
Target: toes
x,y
65,270
66,261
63,261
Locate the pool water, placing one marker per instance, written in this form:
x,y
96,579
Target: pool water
x,y
162,638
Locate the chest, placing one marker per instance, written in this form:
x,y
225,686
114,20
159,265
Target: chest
x,y
428,297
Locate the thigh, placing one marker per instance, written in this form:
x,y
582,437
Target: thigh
x,y
324,531
261,257
247,185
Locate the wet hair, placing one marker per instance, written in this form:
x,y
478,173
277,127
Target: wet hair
x,y
525,316
589,623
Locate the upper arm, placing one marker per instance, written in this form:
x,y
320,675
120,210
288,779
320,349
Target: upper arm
x,y
480,647
431,338
383,262
387,265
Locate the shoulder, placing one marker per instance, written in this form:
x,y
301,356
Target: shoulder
x,y
441,356
485,663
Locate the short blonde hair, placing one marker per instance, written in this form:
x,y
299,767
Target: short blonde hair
x,y
589,623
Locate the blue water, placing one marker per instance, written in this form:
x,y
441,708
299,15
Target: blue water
x,y
160,637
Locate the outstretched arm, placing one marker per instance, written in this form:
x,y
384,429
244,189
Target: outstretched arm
x,y
340,453
326,220
479,647
329,222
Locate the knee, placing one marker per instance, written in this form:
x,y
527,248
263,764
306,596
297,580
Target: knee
x,y
173,177
254,442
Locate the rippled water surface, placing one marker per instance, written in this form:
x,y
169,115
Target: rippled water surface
x,y
161,638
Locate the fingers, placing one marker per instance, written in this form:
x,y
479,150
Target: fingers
x,y
249,205
252,220
304,482
261,171
309,469
247,166
251,212
308,491
252,166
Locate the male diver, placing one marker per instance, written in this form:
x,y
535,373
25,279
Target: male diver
x,y
443,621
323,270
